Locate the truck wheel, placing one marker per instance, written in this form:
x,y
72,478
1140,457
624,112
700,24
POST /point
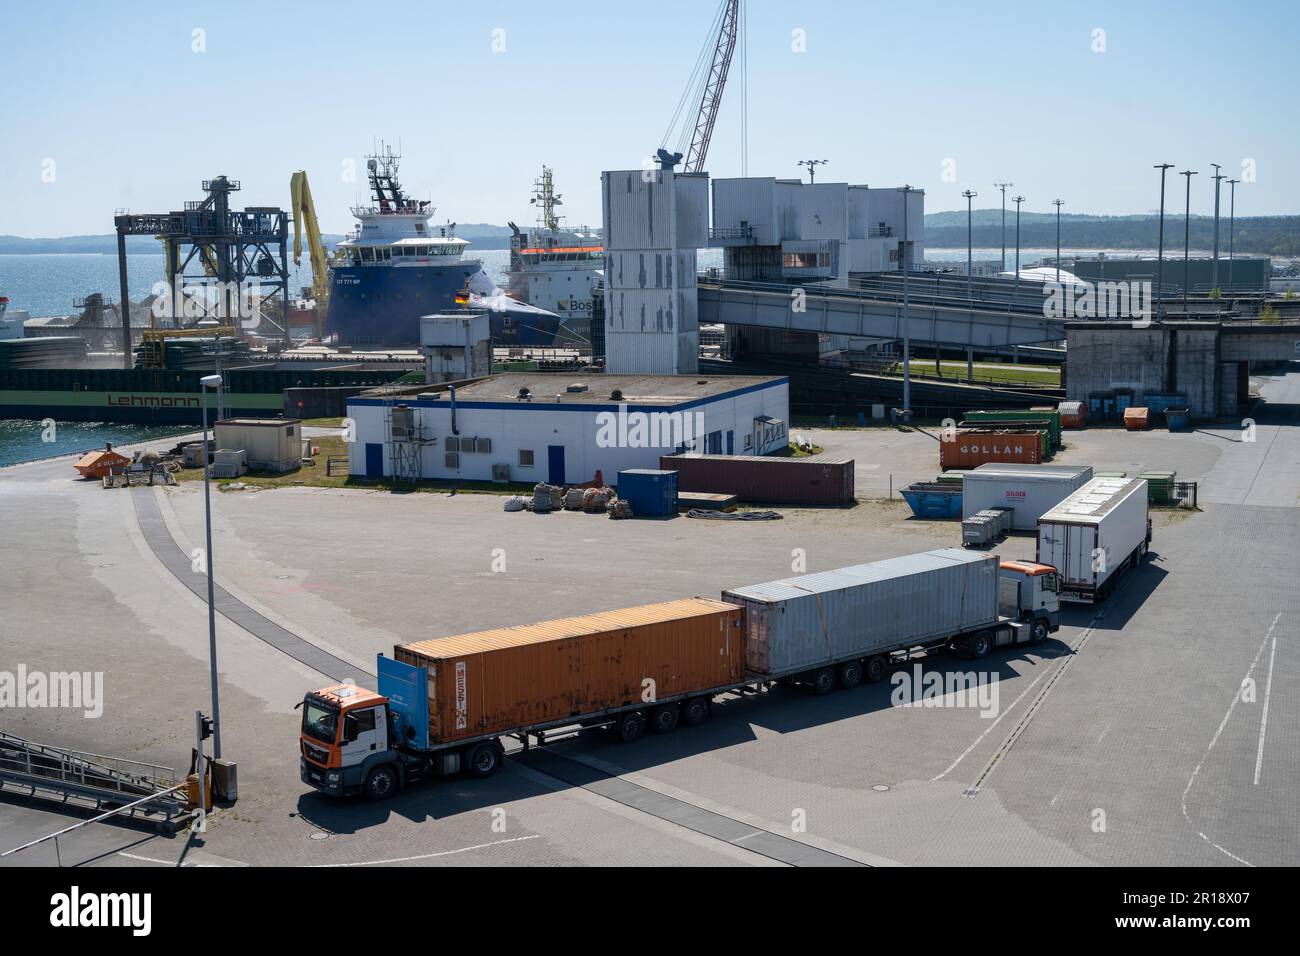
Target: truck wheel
x,y
663,719
382,782
631,726
483,759
695,711
823,680
877,667
1039,630
980,645
850,674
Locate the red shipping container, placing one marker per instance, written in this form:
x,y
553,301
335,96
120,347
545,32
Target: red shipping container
x,y
970,449
816,480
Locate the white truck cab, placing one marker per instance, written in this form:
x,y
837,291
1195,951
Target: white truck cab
x,y
1029,592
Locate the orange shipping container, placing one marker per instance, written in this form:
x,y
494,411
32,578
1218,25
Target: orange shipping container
x,y
492,682
1137,418
970,449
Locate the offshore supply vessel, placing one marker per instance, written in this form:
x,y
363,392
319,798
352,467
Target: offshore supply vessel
x,y
555,268
395,268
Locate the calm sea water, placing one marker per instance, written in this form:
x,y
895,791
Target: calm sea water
x,y
22,440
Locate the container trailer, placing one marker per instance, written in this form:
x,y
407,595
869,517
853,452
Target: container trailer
x,y
1094,535
968,448
443,706
772,479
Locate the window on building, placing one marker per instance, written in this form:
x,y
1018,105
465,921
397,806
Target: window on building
x,y
525,458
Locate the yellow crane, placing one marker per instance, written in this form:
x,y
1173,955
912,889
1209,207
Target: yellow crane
x,y
304,220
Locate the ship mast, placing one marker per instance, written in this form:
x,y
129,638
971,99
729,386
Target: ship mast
x,y
546,199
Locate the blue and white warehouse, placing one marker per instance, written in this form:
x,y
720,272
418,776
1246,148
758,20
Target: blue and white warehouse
x,y
562,429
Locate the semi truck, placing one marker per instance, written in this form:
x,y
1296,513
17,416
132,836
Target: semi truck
x,y
444,706
1094,535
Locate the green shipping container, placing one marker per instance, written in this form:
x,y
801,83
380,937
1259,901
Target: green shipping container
x,y
1160,485
1052,418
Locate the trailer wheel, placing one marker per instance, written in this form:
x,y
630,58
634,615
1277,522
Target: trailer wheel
x,y
850,674
980,645
382,782
483,759
631,726
877,667
1039,630
823,680
663,719
695,711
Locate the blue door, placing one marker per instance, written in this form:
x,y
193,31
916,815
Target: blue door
x,y
555,464
374,460
731,442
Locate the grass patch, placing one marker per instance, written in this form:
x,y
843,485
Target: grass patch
x,y
1032,374
794,451
314,476
324,422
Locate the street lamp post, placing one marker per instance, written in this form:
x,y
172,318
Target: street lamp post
x,y
812,165
1214,273
1160,247
1187,239
1058,203
1015,295
210,383
969,194
1003,187
907,332
1232,215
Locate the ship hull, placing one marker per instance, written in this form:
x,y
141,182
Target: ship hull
x,y
380,307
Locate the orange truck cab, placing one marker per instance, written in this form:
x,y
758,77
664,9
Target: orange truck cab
x,y
344,733
357,741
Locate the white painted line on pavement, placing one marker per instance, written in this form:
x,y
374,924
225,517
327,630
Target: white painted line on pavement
x,y
965,753
1268,690
1215,739
430,856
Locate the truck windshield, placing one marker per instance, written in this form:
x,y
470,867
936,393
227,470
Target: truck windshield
x,y
319,721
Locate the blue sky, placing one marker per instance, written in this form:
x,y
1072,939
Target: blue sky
x,y
133,117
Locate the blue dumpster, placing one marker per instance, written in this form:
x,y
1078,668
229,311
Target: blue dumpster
x,y
651,493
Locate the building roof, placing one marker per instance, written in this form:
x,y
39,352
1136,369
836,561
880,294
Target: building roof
x,y
666,390
259,422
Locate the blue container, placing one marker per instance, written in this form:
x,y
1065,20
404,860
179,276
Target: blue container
x,y
1178,419
1160,402
651,493
929,499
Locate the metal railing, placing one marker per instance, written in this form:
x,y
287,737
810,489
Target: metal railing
x,y
42,763
130,807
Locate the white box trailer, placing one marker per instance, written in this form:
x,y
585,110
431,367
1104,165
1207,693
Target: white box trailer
x,y
1031,490
1094,535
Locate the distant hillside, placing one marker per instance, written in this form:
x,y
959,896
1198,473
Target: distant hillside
x,y
1264,235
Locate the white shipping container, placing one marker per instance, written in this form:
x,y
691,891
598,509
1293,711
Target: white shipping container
x,y
808,621
1094,534
1031,490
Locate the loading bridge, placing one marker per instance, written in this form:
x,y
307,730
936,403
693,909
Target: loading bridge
x,y
89,781
938,318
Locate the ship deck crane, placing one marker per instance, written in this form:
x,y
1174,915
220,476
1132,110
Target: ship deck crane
x,y
706,88
304,221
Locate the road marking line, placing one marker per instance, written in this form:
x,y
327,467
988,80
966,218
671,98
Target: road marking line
x,y
1073,650
1215,739
150,859
1268,690
430,856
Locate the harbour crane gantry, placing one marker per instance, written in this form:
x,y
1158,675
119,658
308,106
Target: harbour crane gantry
x,y
710,92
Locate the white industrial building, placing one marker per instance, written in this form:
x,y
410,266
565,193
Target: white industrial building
x,y
785,230
529,427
